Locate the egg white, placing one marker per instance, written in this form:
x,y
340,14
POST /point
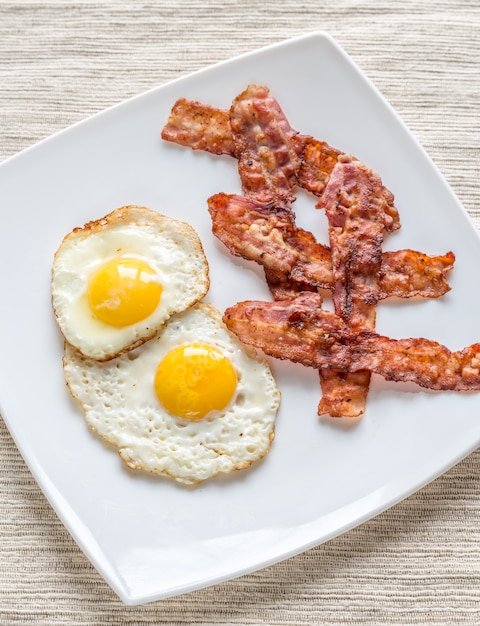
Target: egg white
x,y
173,250
121,406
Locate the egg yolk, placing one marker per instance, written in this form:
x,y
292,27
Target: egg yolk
x,y
193,380
123,291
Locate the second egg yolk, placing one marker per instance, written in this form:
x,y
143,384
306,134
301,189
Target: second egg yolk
x,y
195,379
123,291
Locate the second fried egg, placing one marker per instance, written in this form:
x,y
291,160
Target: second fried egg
x,y
191,403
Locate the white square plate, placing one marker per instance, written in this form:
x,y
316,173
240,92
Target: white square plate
x,y
149,537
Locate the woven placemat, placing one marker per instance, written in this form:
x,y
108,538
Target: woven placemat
x,y
60,61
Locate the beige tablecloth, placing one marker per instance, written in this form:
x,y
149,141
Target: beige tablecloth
x,y
60,61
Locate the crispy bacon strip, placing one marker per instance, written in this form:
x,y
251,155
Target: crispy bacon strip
x,y
355,204
268,235
301,331
320,161
344,394
405,273
268,150
200,127
295,261
356,210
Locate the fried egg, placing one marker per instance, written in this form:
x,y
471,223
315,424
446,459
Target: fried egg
x,y
118,279
191,403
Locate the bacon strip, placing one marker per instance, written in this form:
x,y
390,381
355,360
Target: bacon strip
x,y
405,273
200,127
319,159
267,148
295,261
301,331
354,207
268,235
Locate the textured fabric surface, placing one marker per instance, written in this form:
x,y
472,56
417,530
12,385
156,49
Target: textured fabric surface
x,y
60,61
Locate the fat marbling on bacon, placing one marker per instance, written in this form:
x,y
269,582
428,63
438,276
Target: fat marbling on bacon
x,y
199,127
268,150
